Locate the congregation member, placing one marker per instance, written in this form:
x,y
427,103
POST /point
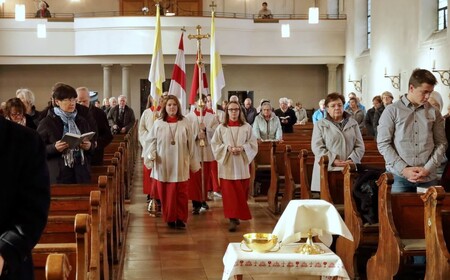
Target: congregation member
x,y
387,98
170,155
355,111
66,165
203,126
319,113
267,126
360,105
15,112
27,97
25,198
234,147
286,115
369,119
249,111
265,13
300,114
121,117
104,136
112,103
105,105
411,136
97,104
43,11
338,136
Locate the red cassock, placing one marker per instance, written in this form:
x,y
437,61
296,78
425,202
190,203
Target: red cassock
x,y
149,186
234,198
174,200
213,183
195,183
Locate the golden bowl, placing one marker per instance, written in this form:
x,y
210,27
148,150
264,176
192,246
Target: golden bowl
x,y
260,242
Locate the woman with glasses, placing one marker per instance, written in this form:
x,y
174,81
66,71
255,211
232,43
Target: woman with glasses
x,y
66,165
15,111
234,146
338,136
267,126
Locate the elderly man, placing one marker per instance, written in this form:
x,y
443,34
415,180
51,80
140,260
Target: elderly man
x,y
249,111
104,134
286,115
121,117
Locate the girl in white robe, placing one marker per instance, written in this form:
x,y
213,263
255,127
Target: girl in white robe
x,y
234,147
170,155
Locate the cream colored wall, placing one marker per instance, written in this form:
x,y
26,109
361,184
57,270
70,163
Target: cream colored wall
x,y
307,84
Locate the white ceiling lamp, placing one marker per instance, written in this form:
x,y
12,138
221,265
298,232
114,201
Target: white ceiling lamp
x,y
20,12
285,31
42,30
313,16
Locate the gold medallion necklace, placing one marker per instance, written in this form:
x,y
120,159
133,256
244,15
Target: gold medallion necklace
x,y
172,133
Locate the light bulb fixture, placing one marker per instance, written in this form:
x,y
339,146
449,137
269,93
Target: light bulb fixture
x,y
356,83
445,74
41,30
20,12
313,16
169,14
395,80
285,31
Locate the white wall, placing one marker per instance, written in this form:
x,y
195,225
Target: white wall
x,y
402,35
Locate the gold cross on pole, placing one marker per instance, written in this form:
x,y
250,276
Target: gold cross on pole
x,y
213,6
199,38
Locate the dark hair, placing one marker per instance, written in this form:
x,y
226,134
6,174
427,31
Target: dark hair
x,y
353,99
420,76
14,103
332,97
241,118
377,98
62,91
164,114
264,3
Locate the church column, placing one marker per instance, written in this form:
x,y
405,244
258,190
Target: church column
x,y
126,81
332,83
107,87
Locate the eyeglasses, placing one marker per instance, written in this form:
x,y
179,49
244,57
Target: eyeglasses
x,y
233,110
16,114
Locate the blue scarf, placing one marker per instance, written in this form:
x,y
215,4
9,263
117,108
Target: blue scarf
x,y
68,120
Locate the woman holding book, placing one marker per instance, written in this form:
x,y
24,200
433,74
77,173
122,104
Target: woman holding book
x,y
67,165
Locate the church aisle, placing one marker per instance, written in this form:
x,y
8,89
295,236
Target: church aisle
x,y
156,252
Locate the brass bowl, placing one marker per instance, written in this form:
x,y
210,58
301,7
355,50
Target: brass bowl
x,y
260,242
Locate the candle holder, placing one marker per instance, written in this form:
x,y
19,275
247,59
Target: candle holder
x,y
445,75
356,83
395,80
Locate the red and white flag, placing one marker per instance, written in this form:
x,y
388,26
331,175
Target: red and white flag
x,y
194,87
178,82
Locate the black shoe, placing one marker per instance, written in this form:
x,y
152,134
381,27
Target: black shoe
x,y
196,211
148,198
172,224
233,225
180,224
205,205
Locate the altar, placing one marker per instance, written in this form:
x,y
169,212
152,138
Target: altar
x,y
284,262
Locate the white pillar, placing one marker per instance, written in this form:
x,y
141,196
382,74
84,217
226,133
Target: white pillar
x,y
332,83
126,82
107,87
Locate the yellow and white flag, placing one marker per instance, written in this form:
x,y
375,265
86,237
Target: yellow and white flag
x,y
217,79
157,75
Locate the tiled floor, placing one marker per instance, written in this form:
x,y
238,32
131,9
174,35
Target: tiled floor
x,y
154,251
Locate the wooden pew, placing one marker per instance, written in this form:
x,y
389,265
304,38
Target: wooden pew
x,y
57,267
401,237
365,236
306,169
70,199
437,233
260,163
68,235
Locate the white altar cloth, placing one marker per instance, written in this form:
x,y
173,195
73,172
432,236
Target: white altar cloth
x,y
284,262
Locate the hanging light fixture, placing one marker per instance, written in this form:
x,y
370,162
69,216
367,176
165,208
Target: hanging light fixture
x,y
170,9
313,16
41,30
285,31
20,12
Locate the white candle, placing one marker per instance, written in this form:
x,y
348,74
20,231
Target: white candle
x,y
385,71
349,78
434,64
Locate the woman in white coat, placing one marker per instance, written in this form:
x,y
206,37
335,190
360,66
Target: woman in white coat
x,y
338,136
170,155
234,146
